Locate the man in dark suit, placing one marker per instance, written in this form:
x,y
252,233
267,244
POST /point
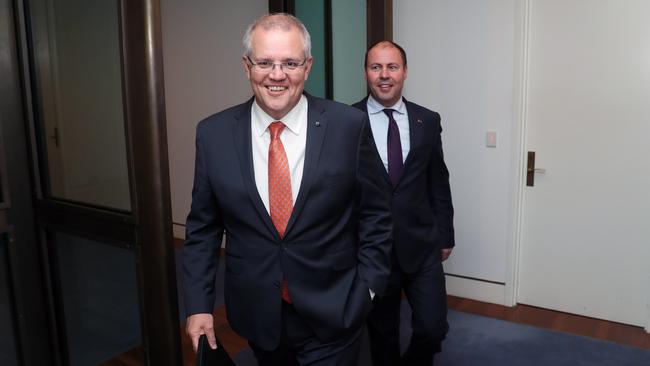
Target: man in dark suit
x,y
294,182
407,138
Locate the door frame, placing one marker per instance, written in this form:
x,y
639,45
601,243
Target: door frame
x,y
379,17
379,27
27,284
520,130
149,173
520,100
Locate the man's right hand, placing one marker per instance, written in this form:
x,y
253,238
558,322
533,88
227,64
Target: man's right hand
x,y
198,324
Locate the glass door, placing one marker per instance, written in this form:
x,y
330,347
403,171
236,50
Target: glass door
x,y
76,65
88,130
341,31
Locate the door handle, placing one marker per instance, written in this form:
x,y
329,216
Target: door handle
x,y
55,136
530,172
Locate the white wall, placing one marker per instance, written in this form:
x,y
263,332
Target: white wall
x,y
461,63
203,75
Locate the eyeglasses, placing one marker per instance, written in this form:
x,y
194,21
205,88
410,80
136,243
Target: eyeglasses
x,y
265,66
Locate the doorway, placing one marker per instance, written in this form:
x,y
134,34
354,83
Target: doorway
x,y
341,31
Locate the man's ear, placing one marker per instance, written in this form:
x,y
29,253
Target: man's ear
x,y
247,68
307,66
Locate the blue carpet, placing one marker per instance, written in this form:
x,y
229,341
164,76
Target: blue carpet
x,y
476,340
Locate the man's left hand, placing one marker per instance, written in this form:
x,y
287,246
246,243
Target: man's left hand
x,y
446,252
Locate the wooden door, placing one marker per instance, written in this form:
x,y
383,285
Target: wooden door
x,y
586,238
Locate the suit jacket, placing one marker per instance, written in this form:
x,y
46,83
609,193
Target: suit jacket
x,y
337,243
421,201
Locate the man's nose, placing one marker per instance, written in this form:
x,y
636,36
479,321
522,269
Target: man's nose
x,y
383,73
277,73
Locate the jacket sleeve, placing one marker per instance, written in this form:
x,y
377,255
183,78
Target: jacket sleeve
x,y
204,233
440,192
375,225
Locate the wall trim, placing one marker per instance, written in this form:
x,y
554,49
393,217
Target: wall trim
x,y
179,231
520,113
379,21
647,323
476,290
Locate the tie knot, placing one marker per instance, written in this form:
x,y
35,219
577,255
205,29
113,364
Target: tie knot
x,y
389,112
275,129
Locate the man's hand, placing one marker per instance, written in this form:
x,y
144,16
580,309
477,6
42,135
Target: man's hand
x,y
446,252
198,324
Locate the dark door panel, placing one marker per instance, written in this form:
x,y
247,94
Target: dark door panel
x,y
26,291
88,271
8,335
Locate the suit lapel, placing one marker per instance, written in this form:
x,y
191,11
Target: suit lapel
x,y
316,128
364,107
417,136
242,136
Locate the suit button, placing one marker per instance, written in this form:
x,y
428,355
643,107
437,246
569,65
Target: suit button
x,y
284,247
395,193
276,284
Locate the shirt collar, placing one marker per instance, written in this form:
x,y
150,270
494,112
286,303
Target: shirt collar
x,y
375,107
261,120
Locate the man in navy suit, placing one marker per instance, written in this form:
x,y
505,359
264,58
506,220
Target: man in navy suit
x,y
295,183
407,138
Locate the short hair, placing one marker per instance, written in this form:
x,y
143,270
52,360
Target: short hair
x,y
388,44
282,21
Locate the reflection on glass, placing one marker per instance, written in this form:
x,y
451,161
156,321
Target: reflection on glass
x,y
348,47
77,70
312,14
348,50
7,343
99,292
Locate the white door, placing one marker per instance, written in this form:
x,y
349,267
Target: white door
x,y
585,245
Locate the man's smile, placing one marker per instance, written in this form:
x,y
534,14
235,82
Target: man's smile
x,y
276,88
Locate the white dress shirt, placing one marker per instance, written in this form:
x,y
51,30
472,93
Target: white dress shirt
x,y
294,140
379,127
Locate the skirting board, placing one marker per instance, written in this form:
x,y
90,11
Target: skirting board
x,y
179,231
476,290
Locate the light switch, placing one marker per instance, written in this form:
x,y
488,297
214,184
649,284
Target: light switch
x,y
491,140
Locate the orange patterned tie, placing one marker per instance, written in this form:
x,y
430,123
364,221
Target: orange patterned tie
x,y
280,198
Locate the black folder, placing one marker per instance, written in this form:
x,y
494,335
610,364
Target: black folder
x,y
206,356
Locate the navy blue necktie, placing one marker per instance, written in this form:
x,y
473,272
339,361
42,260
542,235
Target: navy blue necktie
x,y
394,147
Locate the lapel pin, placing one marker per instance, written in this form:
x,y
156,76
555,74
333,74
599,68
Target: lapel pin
x,y
317,124
419,120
